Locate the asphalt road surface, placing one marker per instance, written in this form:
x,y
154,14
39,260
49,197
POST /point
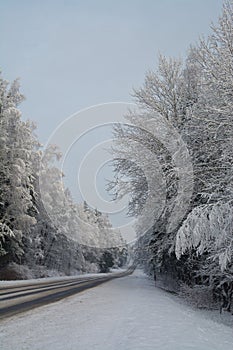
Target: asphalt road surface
x,y
23,297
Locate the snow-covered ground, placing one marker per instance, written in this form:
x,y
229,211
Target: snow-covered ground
x,y
124,314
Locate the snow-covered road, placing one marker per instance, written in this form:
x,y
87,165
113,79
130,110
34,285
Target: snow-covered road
x,y
127,313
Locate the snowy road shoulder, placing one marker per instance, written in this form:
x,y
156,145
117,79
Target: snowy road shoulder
x,y
127,313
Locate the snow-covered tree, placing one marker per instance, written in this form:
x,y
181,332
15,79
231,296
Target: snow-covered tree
x,y
41,226
17,213
195,98
208,228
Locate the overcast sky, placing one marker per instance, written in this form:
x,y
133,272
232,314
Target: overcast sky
x,y
72,54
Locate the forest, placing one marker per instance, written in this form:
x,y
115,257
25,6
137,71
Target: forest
x,y
73,238
184,122
174,159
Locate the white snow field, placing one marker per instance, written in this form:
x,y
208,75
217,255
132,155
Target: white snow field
x,y
124,314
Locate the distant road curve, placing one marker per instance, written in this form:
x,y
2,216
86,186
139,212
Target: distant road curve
x,y
23,297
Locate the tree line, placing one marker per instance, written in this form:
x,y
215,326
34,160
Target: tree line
x,y
50,235
194,97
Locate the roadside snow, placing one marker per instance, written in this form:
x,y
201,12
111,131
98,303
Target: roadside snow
x,y
124,314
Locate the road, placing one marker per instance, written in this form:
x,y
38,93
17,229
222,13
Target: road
x,y
23,297
127,313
